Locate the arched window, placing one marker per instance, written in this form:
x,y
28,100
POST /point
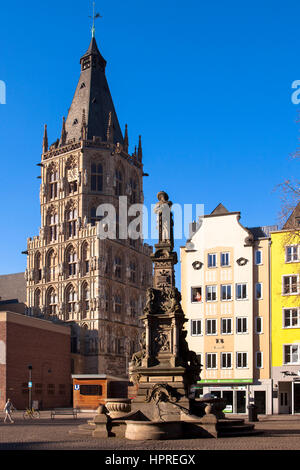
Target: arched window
x,y
53,179
70,301
96,177
51,264
133,308
71,258
51,222
71,221
118,303
37,299
118,182
38,266
51,301
85,259
85,299
118,267
132,272
133,190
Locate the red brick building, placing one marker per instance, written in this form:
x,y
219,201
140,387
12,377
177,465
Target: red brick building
x,y
43,345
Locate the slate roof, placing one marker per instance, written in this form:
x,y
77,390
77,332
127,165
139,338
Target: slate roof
x,y
93,99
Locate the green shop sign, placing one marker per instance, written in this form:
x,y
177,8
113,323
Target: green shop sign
x,y
224,381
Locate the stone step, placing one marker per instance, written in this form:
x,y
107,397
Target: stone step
x,y
234,433
231,422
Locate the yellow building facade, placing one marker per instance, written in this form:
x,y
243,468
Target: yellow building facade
x,y
285,320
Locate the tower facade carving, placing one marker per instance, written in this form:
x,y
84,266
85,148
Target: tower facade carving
x,y
97,285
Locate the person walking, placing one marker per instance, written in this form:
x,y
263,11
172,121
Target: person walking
x,y
8,410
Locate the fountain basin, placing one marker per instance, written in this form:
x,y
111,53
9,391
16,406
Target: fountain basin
x,y
153,430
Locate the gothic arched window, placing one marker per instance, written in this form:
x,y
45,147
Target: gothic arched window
x,y
71,222
85,256
133,190
38,266
96,177
53,182
71,258
118,267
51,301
118,303
51,222
132,271
37,299
85,299
51,264
70,301
118,182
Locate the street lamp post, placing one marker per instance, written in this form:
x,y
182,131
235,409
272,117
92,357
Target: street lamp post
x,y
30,386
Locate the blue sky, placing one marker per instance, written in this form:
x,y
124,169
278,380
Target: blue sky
x,y
207,84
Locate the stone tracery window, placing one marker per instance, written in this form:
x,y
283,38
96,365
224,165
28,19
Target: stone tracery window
x,y
96,177
51,264
70,301
85,299
71,216
118,182
71,258
37,299
51,301
85,256
53,183
133,190
118,267
38,266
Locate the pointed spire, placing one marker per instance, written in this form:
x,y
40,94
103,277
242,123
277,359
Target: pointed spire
x,y
140,151
126,140
63,136
45,140
110,129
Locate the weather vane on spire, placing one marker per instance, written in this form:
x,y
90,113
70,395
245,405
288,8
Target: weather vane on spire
x,y
94,17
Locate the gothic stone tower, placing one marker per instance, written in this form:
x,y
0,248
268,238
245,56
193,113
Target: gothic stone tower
x,y
96,285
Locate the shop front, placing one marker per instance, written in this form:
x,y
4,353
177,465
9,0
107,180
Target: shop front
x,y
239,394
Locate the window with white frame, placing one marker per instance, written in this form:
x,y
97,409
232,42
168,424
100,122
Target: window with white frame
x,y
211,260
211,326
211,293
226,360
291,354
292,253
196,327
291,318
241,291
241,360
226,326
258,290
259,360
259,325
226,292
258,257
225,259
211,360
290,284
241,325
196,294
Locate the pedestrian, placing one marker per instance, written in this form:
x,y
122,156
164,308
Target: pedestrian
x,y
8,410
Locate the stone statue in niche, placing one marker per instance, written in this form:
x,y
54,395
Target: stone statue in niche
x,y
161,342
137,357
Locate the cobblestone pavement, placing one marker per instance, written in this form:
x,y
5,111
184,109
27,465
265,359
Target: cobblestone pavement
x,y
279,433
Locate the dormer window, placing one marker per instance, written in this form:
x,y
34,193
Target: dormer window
x,y
82,85
75,122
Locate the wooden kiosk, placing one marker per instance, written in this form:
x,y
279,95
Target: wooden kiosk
x,y
90,391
